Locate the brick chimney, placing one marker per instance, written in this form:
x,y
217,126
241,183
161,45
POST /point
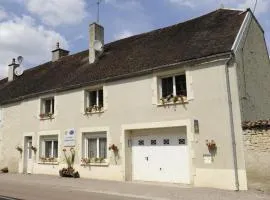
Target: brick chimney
x,y
96,33
58,53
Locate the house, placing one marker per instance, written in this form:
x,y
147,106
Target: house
x,y
162,106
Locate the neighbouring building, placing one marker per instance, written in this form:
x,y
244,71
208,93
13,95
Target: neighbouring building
x,y
162,106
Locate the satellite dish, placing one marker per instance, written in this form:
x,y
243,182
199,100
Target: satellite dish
x,y
20,59
18,71
98,46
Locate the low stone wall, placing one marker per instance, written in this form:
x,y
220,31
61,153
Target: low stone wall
x,y
257,156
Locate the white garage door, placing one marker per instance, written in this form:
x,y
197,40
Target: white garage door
x,y
160,157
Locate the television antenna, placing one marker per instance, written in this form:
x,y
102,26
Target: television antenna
x,y
98,7
255,6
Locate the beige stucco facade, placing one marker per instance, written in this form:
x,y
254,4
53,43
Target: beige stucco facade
x,y
133,104
214,92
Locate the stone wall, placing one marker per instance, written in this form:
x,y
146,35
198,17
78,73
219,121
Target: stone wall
x,y
257,156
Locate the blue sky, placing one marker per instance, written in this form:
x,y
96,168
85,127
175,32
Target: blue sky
x,y
32,27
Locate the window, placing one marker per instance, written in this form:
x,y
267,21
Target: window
x,y
49,147
141,142
94,100
173,86
95,145
47,107
166,141
153,142
182,141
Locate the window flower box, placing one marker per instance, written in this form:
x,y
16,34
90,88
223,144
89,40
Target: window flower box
x,y
48,159
46,115
93,161
170,99
93,109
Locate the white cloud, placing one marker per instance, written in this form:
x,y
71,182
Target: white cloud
x,y
22,36
123,34
57,12
3,13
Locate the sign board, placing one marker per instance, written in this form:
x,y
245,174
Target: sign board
x,y
69,138
207,158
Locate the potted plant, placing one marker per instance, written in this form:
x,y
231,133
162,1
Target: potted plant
x,y
34,149
114,148
46,115
211,145
18,148
69,171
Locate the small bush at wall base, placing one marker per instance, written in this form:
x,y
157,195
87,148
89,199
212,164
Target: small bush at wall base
x,y
69,172
4,170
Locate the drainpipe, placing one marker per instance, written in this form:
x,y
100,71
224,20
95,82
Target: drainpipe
x,y
235,164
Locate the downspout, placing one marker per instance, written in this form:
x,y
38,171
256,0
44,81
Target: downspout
x,y
234,152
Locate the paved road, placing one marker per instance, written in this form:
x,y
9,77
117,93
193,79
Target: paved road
x,y
39,187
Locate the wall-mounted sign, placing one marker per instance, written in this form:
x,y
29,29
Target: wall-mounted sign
x,y
196,126
207,158
69,138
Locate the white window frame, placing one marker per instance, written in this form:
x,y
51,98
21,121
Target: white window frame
x,y
48,138
87,93
96,136
174,83
52,106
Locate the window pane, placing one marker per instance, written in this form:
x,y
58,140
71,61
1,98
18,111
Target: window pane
x,y
92,98
48,149
92,148
29,149
180,82
55,149
102,147
167,86
100,98
47,105
52,105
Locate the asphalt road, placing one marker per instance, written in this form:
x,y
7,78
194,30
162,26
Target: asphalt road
x,y
43,187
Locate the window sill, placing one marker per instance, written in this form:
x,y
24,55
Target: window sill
x,y
96,164
94,112
48,163
46,117
172,103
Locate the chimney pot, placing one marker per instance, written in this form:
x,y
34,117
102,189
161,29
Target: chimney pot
x,y
58,53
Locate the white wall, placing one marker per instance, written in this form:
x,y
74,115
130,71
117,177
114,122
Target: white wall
x,y
130,101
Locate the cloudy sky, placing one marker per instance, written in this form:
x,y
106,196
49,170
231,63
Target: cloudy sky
x,y
32,27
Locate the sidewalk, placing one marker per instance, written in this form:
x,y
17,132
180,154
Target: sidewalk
x,y
121,189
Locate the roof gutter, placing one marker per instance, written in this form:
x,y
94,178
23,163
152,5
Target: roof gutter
x,y
231,116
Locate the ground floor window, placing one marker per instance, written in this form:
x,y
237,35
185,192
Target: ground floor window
x,y
49,148
95,147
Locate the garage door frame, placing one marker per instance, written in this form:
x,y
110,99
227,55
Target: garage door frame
x,y
127,147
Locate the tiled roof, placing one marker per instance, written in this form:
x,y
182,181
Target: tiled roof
x,y
210,34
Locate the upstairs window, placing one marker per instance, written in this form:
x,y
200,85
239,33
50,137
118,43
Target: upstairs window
x,y
95,101
47,107
173,88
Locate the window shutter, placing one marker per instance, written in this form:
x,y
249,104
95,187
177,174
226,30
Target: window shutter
x,y
190,92
154,88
